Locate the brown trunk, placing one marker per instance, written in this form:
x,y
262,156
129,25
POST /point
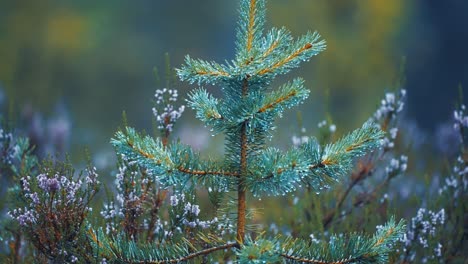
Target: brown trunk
x,y
241,201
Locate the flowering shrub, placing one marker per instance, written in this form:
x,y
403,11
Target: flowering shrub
x,y
441,237
423,226
136,205
165,113
56,205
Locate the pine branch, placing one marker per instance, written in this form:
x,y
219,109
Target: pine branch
x,y
341,249
275,40
175,164
251,27
200,71
305,47
287,96
338,157
249,32
276,173
202,253
259,110
316,261
206,107
123,250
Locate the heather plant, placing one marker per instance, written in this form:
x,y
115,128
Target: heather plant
x,y
56,204
16,159
438,231
24,140
246,115
135,210
422,233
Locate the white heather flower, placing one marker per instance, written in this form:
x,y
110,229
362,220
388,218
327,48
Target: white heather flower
x,y
393,132
451,182
298,141
390,98
203,224
390,106
91,176
26,217
322,123
188,207
192,224
195,209
383,199
274,228
164,112
296,200
423,227
314,239
174,200
386,143
438,250
397,166
25,184
48,184
35,198
461,120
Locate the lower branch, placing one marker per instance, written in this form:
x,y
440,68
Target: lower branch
x,y
315,261
188,257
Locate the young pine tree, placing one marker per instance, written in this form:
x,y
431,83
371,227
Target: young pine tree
x,y
246,115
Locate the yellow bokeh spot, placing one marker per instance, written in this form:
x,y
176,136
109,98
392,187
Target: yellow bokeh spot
x,y
66,32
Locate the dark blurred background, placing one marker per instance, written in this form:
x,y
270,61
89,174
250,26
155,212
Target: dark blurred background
x,y
90,60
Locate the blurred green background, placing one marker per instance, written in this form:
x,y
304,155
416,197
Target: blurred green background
x,y
96,58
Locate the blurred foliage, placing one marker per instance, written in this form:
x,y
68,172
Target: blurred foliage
x,y
362,48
